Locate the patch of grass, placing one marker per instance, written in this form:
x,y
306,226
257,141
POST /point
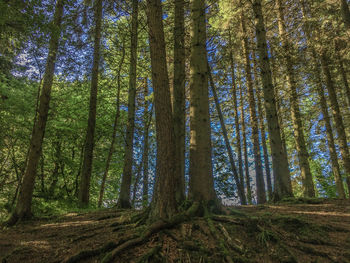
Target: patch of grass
x,y
302,200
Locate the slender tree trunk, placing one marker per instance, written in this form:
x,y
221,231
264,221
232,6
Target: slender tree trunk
x,y
201,177
339,125
179,108
262,130
147,122
240,185
235,111
24,202
84,187
283,187
124,198
343,75
115,128
303,155
164,198
245,145
260,184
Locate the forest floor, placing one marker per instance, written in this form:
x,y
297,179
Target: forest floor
x,y
296,231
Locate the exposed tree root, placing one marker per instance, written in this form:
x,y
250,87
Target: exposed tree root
x,y
150,254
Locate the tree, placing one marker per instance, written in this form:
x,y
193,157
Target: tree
x,y
24,202
164,200
280,166
84,186
201,178
124,197
179,96
260,185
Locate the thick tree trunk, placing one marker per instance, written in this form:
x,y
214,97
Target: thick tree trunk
x,y
164,200
260,184
339,125
179,109
124,197
239,184
114,133
262,130
84,187
283,187
303,155
235,112
24,202
245,145
201,176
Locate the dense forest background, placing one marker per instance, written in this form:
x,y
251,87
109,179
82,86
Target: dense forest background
x,y
99,53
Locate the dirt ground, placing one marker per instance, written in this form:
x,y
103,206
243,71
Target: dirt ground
x,y
294,232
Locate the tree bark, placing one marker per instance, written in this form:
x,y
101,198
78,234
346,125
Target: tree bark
x,y
164,200
339,125
24,202
179,108
282,182
124,196
260,184
84,187
239,184
201,177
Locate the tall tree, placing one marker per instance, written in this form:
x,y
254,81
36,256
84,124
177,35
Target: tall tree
x,y
179,108
245,144
303,154
124,197
164,200
239,183
339,124
84,189
260,184
115,128
24,202
201,176
283,187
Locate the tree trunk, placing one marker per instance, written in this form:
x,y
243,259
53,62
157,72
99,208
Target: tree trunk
x,y
339,125
84,187
343,75
324,108
201,177
24,202
245,145
147,122
124,197
262,130
260,184
164,200
240,185
179,108
235,111
283,187
303,155
115,128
